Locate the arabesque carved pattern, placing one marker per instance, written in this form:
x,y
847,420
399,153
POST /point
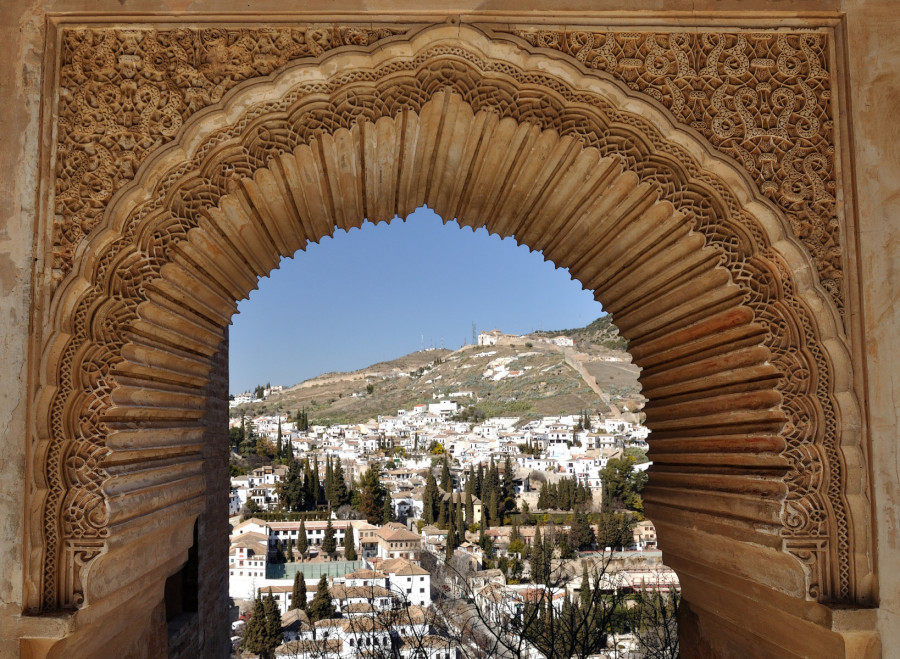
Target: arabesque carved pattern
x,y
124,93
107,131
763,98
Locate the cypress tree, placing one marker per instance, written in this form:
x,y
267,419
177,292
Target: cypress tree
x,y
460,521
514,534
483,540
585,599
329,483
255,629
280,448
479,482
536,556
309,494
340,484
290,488
273,637
388,512
446,481
548,557
372,495
508,486
321,607
470,509
451,538
442,514
429,498
302,542
298,594
349,545
494,475
316,489
329,545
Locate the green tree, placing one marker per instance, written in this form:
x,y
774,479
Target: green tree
x,y
279,449
263,631
536,557
302,542
316,486
349,545
581,535
446,481
298,594
483,540
329,544
336,494
430,498
302,420
371,495
273,634
543,502
235,436
492,507
310,493
441,522
470,508
452,537
248,437
516,544
585,593
622,486
321,607
255,627
614,529
387,513
329,480
290,488
508,488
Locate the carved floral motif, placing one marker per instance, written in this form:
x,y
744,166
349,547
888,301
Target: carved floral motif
x,y
125,93
763,98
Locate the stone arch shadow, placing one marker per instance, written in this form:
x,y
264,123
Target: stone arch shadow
x,y
758,482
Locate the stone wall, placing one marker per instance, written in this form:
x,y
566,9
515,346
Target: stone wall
x,y
870,177
873,61
214,629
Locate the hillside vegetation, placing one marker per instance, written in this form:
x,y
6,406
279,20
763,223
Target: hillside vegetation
x,y
528,380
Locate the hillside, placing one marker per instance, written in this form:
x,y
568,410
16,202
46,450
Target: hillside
x,y
529,379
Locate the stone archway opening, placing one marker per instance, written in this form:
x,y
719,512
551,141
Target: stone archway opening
x,y
733,334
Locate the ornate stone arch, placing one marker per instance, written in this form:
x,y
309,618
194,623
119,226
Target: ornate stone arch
x,y
742,349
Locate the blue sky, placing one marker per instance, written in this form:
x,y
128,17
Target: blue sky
x,y
373,293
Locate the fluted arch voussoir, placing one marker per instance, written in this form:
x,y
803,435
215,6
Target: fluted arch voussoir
x,y
673,239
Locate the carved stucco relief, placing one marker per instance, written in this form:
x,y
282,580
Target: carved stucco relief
x,y
125,93
763,98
